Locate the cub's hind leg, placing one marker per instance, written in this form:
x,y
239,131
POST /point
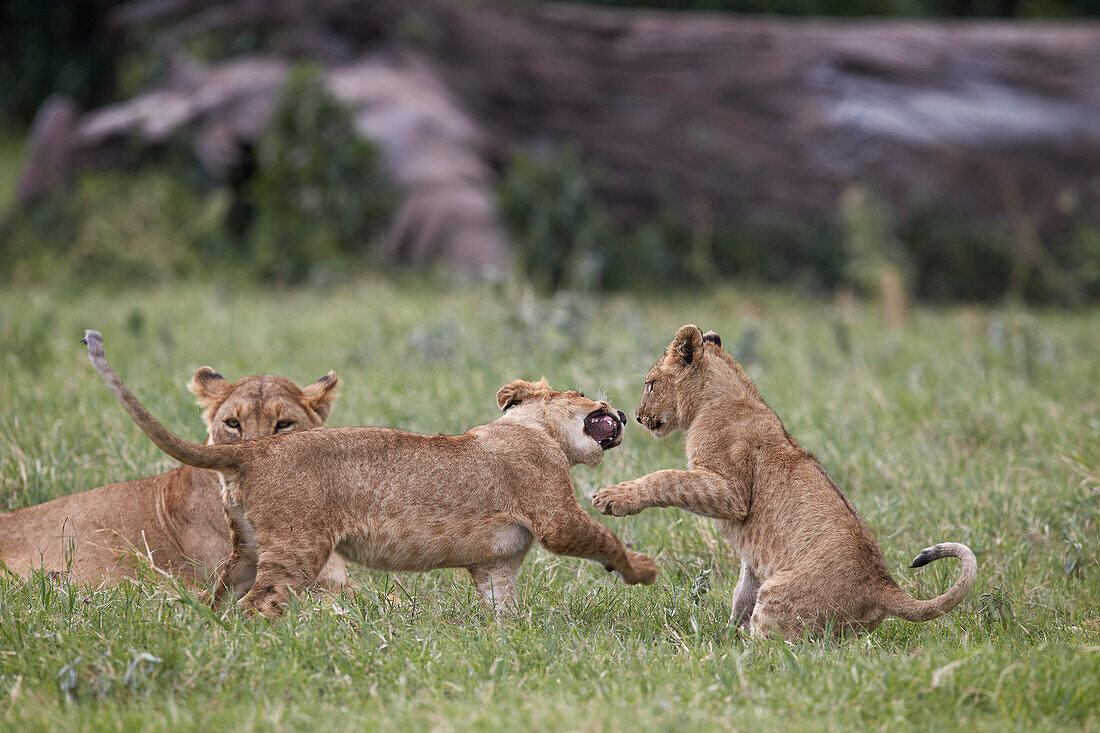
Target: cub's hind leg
x,y
744,597
334,575
239,571
286,563
496,582
792,604
784,606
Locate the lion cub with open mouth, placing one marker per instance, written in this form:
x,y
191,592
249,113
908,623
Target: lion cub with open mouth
x,y
808,562
400,501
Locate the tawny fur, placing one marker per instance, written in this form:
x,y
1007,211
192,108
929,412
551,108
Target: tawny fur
x,y
176,518
401,501
808,562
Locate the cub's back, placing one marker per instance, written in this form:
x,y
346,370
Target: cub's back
x,y
383,469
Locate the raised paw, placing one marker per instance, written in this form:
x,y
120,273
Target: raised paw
x,y
643,567
619,500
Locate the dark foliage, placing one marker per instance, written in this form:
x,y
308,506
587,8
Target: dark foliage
x,y
566,239
48,47
318,194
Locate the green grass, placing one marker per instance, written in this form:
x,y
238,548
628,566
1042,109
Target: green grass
x,y
981,426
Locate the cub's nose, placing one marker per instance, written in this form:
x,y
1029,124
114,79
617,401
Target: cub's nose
x,y
622,416
638,417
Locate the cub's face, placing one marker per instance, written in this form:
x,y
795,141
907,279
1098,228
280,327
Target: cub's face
x,y
657,410
584,428
259,406
674,382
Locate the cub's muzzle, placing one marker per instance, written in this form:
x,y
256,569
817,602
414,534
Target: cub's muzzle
x,y
604,427
650,422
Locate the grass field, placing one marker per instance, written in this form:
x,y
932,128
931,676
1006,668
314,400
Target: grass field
x,y
981,426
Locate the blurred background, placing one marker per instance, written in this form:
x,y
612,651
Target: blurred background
x,y
932,150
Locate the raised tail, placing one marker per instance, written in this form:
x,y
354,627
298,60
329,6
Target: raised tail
x,y
215,457
906,607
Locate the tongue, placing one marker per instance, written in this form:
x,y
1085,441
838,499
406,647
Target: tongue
x,y
601,427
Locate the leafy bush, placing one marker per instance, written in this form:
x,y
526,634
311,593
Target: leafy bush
x,y
1079,255
954,257
656,252
567,240
809,255
319,195
558,223
871,245
314,203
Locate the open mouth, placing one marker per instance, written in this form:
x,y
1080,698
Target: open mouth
x,y
605,428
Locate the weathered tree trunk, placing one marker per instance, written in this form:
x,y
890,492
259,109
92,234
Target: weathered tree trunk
x,y
734,116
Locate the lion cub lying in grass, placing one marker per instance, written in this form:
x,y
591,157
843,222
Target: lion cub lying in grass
x,y
176,517
400,501
808,562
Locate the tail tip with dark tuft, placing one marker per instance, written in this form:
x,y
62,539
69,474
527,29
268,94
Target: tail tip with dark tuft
x,y
926,556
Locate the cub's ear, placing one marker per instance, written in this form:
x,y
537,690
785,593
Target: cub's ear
x,y
211,387
710,337
687,345
519,390
320,396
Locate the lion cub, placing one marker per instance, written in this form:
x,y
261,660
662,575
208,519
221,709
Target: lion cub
x,y
400,501
808,562
176,517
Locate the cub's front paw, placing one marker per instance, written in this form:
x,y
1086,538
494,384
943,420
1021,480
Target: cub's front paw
x,y
644,569
619,500
268,604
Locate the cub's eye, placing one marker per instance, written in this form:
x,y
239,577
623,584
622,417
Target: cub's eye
x,y
648,387
233,423
283,424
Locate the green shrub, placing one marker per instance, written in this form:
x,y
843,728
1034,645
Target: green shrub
x,y
559,225
955,257
567,240
315,201
1079,256
773,250
656,252
871,244
318,197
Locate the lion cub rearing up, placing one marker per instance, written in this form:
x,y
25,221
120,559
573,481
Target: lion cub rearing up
x,y
400,501
807,560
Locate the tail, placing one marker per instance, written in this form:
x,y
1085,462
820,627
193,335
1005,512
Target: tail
x,y
218,458
911,609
